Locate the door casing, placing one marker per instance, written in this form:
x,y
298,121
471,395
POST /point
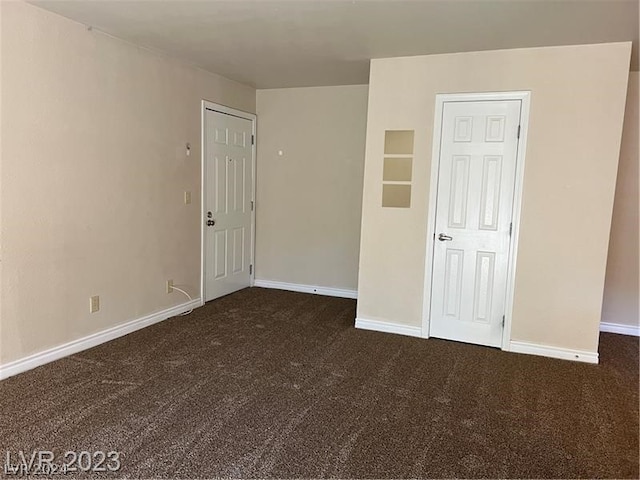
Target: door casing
x,y
203,190
441,99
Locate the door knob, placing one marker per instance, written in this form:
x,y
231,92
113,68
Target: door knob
x,y
211,223
444,238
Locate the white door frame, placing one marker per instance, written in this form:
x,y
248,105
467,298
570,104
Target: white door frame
x,y
525,98
203,190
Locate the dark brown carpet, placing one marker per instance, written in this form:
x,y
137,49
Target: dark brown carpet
x,y
265,383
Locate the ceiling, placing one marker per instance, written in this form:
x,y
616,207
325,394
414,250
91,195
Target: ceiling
x,y
270,44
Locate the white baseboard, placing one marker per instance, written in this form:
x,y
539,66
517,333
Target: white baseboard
x,y
55,353
387,327
620,328
297,287
516,347
553,352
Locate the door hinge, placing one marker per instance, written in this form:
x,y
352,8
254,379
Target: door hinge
x,y
250,269
503,320
253,139
518,131
252,205
510,228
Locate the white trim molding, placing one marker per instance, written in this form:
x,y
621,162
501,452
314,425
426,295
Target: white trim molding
x,y
252,117
620,328
297,287
378,326
41,358
525,98
553,352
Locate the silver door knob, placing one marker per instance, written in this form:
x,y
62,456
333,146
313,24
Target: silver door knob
x,y
444,238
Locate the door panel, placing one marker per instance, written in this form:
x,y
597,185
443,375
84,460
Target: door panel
x,y
220,254
476,181
484,283
459,192
238,250
238,184
219,183
229,183
490,192
453,282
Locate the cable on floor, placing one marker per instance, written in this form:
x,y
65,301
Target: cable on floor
x,y
188,296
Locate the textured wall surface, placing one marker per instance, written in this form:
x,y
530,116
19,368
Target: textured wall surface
x,y
309,199
577,107
93,178
621,286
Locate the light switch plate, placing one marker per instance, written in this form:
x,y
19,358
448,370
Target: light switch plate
x,y
187,198
94,304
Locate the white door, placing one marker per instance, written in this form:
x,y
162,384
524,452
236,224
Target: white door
x,y
228,173
476,178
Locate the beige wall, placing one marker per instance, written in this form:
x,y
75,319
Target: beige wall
x,y
1,135
93,176
578,95
92,172
309,199
621,286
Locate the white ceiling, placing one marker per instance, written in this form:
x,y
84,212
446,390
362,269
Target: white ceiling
x,y
270,44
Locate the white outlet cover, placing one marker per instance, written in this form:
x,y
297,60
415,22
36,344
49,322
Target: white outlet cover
x,y
94,304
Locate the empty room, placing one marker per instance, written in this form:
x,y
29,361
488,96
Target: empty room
x,y
319,239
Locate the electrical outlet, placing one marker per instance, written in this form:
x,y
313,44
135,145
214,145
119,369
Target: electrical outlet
x,y
187,198
169,286
94,304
